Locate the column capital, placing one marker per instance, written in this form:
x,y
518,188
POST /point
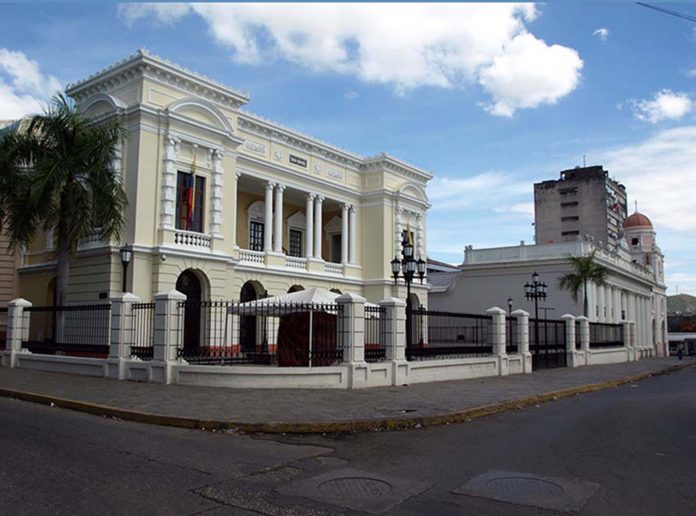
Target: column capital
x,y
351,207
319,198
279,187
238,174
311,196
270,185
345,206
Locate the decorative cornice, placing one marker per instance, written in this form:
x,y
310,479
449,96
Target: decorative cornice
x,y
145,64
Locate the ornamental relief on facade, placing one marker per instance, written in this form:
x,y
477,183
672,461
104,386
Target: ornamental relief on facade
x,y
252,146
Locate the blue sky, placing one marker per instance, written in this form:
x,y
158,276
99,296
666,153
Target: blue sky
x,y
488,98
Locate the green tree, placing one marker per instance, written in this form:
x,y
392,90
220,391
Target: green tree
x,y
56,175
585,270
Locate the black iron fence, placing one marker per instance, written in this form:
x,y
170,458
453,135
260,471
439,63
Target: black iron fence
x,y
578,342
512,337
3,326
74,330
258,333
375,333
547,343
433,334
143,331
605,335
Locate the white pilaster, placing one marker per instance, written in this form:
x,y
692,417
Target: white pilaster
x,y
497,338
420,247
352,231
610,303
522,323
309,229
318,201
278,227
268,220
168,206
344,233
233,229
600,303
216,193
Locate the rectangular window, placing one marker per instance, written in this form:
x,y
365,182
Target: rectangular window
x,y
295,247
566,233
569,204
569,219
189,202
256,230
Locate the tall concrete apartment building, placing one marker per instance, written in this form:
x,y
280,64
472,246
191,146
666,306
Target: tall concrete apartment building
x,y
585,201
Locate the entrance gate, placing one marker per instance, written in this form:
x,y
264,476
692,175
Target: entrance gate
x,y
547,343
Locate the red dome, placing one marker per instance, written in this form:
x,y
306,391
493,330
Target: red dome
x,y
637,220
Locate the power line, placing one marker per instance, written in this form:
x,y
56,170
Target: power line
x,y
669,11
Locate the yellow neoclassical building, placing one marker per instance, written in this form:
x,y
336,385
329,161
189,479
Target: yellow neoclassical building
x,y
224,204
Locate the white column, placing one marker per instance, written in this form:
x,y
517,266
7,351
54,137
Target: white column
x,y
344,234
216,193
398,226
309,229
268,220
420,247
233,231
317,226
168,207
600,303
610,304
352,230
278,228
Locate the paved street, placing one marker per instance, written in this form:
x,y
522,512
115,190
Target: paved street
x,y
627,450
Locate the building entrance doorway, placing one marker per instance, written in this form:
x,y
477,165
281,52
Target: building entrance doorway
x,y
248,324
189,284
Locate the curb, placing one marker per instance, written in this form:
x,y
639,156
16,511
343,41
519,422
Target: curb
x,y
371,425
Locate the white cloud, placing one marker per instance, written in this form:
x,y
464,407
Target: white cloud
x,y
601,34
402,45
520,208
22,85
483,192
659,172
351,95
665,105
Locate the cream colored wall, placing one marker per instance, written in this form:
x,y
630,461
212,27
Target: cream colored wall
x,y
9,281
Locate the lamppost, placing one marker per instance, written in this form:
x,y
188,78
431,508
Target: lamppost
x,y
408,266
535,290
509,306
126,256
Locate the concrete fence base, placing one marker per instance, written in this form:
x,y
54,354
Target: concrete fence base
x,y
352,373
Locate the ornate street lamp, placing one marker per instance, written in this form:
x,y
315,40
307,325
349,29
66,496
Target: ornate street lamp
x,y
509,306
126,253
407,268
536,290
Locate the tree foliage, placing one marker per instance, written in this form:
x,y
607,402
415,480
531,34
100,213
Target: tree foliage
x,y
585,269
57,175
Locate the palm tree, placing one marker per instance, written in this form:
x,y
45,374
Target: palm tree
x,y
585,270
56,175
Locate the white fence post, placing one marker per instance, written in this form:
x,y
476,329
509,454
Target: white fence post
x,y
18,320
570,340
395,335
498,338
121,334
630,352
632,333
585,338
352,337
167,334
522,323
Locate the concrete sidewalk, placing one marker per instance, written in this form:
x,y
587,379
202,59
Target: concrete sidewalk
x,y
312,410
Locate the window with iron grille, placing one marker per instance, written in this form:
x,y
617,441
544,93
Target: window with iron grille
x,y
295,241
256,230
189,202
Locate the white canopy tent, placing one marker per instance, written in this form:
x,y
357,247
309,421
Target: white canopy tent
x,y
301,300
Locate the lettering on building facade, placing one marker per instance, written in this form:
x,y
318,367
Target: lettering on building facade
x,y
256,147
296,160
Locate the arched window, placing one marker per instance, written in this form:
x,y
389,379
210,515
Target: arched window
x,y
256,218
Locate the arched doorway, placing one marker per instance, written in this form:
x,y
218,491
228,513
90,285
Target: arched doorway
x,y
336,291
295,288
251,291
189,284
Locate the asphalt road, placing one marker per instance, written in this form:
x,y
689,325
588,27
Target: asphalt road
x,y
623,451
